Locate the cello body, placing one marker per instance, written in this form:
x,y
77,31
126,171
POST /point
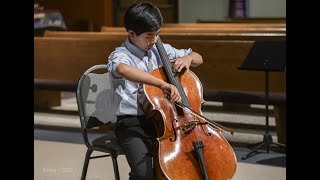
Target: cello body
x,y
177,129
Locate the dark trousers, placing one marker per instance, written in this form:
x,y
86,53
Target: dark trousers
x,y
136,136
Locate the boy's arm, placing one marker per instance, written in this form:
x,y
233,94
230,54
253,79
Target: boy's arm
x,y
136,75
196,59
193,59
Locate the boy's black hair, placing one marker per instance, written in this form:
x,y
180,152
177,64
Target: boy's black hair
x,y
142,17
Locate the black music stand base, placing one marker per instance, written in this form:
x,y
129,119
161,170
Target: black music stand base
x,y
267,141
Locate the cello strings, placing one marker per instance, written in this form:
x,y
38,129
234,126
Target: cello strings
x,y
210,122
219,126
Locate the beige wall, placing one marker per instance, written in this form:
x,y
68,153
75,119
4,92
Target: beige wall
x,y
218,10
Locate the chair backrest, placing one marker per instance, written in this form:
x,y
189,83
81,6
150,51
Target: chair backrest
x,y
96,97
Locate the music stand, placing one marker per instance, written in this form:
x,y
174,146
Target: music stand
x,y
266,56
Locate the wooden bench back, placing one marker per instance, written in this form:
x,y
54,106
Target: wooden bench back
x,y
221,62
212,27
68,58
72,56
172,35
206,30
225,24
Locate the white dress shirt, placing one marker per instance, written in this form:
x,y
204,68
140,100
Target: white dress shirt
x,y
147,61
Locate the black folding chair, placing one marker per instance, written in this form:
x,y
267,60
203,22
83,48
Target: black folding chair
x,y
95,98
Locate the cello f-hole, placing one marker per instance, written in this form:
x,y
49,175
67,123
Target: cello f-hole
x,y
174,131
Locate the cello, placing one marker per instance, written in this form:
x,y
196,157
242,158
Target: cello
x,y
188,145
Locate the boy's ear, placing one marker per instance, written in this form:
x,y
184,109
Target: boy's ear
x,y
131,33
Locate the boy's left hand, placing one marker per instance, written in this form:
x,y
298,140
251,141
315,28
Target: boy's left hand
x,y
181,63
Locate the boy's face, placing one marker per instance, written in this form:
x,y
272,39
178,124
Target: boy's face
x,y
145,40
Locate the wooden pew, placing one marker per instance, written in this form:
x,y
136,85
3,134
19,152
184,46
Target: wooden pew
x,y
215,27
219,71
218,61
67,58
224,24
208,29
252,36
248,20
219,25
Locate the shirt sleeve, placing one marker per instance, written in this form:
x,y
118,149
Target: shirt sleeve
x,y
114,60
174,53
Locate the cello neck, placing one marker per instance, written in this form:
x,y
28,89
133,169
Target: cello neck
x,y
172,77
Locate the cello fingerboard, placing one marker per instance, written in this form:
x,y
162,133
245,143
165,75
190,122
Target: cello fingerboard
x,y
173,78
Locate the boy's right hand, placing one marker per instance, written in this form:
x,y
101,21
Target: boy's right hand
x,y
174,93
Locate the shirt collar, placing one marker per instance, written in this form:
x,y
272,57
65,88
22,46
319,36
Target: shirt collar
x,y
140,53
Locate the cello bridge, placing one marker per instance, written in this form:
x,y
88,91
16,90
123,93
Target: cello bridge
x,y
188,127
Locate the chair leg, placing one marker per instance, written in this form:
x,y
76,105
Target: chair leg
x,y
115,167
85,165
